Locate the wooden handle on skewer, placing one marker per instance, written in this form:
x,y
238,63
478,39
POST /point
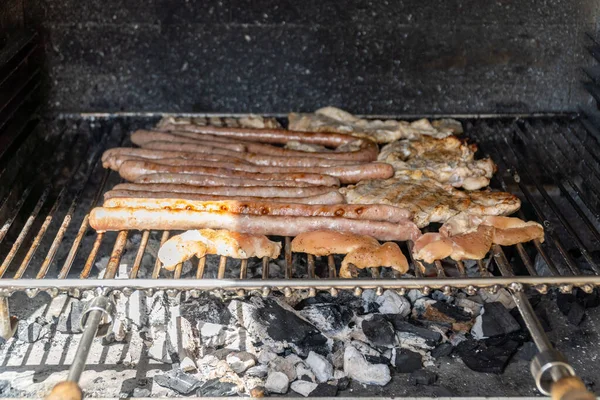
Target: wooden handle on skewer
x,y
571,388
66,390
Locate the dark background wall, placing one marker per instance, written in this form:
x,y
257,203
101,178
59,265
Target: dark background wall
x,y
378,57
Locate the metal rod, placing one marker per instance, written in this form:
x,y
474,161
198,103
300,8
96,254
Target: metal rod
x,y
139,255
243,268
531,321
115,256
89,263
265,268
289,261
310,260
461,268
222,267
85,344
187,284
331,266
158,264
7,329
201,266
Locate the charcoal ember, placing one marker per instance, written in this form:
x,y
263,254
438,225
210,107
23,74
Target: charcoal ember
x,y
391,302
178,381
277,382
240,361
324,390
32,331
287,365
322,369
69,322
369,305
359,369
571,307
303,388
206,308
527,351
328,317
406,361
343,383
217,388
413,328
141,392
469,306
541,314
489,355
268,320
379,359
304,373
378,330
502,296
259,371
495,320
423,377
442,350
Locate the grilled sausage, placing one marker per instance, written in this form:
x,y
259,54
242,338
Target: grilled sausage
x,y
115,219
112,158
258,191
371,212
120,198
367,150
208,180
345,173
193,151
131,170
278,136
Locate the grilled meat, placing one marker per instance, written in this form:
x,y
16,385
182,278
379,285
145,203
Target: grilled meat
x,y
121,218
386,255
180,248
471,237
447,160
331,119
429,200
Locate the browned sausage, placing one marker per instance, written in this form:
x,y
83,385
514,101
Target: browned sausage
x,y
258,191
112,158
122,198
208,180
345,173
142,137
258,159
373,212
131,170
116,219
279,136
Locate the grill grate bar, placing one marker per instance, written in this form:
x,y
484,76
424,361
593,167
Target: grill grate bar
x,y
201,266
157,266
563,220
562,177
139,255
500,158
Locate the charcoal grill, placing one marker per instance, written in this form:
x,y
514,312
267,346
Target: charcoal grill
x,y
51,178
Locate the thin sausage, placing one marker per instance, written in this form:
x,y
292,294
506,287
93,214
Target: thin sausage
x,y
132,170
112,158
345,173
258,191
279,136
373,212
116,219
208,180
122,198
258,159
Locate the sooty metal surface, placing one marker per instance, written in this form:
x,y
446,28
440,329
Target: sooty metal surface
x,y
47,244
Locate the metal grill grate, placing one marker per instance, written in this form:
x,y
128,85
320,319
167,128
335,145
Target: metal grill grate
x,y
46,243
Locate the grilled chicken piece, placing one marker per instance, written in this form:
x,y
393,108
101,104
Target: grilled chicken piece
x,y
326,242
471,237
386,255
429,200
447,160
331,119
361,251
507,231
222,242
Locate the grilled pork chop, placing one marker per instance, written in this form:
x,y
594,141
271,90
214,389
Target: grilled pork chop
x,y
429,200
447,160
331,119
386,255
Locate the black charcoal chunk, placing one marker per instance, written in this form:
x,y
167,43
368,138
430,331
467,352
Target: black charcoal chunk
x,y
378,330
443,350
490,355
407,361
423,377
178,381
496,320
